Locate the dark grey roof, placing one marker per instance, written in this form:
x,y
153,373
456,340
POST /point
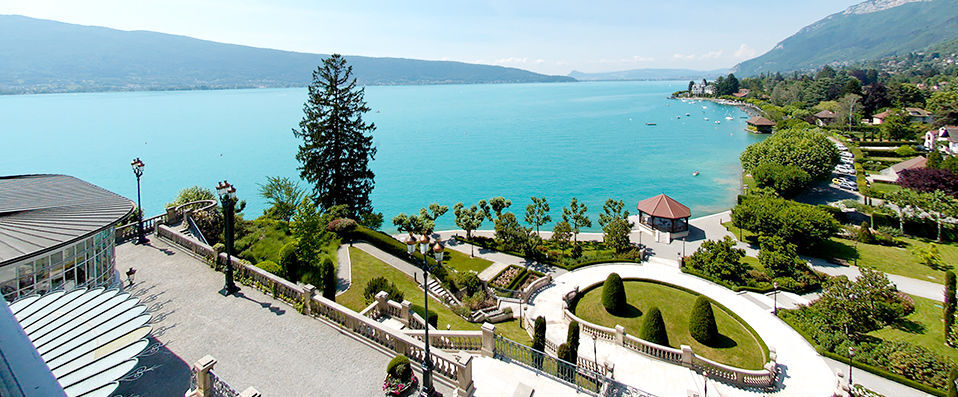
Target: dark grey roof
x,y
39,212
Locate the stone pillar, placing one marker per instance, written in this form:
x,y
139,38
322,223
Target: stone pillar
x,y
405,312
204,385
464,385
309,291
171,215
619,335
251,392
381,298
687,355
488,340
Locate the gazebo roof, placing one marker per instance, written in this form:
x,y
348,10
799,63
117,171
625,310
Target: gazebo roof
x,y
826,114
663,206
760,121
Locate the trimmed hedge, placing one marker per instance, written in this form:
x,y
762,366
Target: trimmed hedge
x,y
271,267
539,334
490,244
573,340
613,294
653,328
949,301
702,325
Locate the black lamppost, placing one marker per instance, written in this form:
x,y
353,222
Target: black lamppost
x,y
775,308
705,383
227,195
427,388
138,171
851,356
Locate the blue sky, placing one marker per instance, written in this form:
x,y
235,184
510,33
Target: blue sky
x,y
553,37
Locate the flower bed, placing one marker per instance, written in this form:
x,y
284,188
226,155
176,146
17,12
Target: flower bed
x,y
514,278
395,387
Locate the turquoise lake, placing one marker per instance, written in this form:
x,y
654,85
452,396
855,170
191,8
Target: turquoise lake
x,y
444,144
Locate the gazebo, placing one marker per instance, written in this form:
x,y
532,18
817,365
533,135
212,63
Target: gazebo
x,y
663,214
760,124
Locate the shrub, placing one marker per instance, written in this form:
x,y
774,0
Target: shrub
x,y
905,151
289,261
469,282
949,301
564,351
342,226
613,294
807,149
653,328
804,225
785,180
865,234
382,284
271,267
399,368
539,334
191,194
719,259
779,258
702,322
329,280
573,340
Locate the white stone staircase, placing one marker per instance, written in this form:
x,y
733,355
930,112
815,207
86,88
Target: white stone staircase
x,y
436,289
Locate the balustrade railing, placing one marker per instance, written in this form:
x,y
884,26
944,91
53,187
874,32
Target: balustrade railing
x,y
126,232
534,288
582,379
470,341
220,388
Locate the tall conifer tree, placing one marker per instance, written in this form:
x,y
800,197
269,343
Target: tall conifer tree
x,y
337,143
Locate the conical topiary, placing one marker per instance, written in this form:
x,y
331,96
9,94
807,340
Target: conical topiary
x,y
653,328
702,322
613,294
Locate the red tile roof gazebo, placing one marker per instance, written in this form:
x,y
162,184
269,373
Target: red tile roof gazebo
x,y
664,214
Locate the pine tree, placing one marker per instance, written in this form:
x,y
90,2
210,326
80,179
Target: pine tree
x,y
653,328
337,143
702,322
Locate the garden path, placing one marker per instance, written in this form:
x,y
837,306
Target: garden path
x,y
805,372
908,285
343,269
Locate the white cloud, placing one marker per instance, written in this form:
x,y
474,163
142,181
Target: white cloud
x,y
744,51
707,55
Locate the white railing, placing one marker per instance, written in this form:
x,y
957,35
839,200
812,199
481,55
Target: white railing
x,y
534,288
470,341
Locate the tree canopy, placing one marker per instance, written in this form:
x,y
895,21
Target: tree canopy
x,y
806,149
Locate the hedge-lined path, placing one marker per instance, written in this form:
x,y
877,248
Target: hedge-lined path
x,y
343,269
908,285
804,372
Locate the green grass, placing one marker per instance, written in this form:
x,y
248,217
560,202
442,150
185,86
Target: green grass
x,y
893,260
924,328
884,188
463,263
510,329
747,236
262,240
737,347
364,267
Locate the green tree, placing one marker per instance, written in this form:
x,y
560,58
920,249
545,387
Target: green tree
x,y
949,309
613,294
511,236
562,233
575,216
289,261
779,258
950,164
702,325
903,200
495,206
930,257
468,219
934,159
653,328
191,194
691,83
807,149
940,205
896,126
804,225
719,259
537,213
572,339
847,110
944,105
283,195
309,229
538,341
785,180
337,143
615,224
422,224
865,235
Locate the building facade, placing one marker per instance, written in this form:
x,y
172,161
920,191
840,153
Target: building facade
x,y
56,233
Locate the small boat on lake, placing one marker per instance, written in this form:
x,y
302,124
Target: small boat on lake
x,y
696,173
718,122
649,123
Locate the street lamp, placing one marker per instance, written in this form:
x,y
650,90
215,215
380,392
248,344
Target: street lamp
x,y
705,384
775,296
227,195
851,356
138,171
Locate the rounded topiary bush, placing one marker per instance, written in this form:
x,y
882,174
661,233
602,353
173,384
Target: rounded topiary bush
x,y
573,336
564,351
653,328
289,261
399,368
382,284
539,334
271,267
613,294
702,322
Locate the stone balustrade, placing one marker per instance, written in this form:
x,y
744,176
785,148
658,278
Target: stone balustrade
x,y
534,288
446,365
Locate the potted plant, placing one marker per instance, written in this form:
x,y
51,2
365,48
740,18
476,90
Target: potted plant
x,y
399,377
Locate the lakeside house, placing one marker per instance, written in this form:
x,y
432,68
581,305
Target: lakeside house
x,y
742,93
890,174
703,89
825,117
946,136
663,216
915,115
760,125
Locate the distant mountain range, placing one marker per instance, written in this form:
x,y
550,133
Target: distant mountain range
x,y
38,56
867,31
651,74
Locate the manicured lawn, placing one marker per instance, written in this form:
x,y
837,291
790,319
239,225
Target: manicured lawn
x,y
738,346
884,188
463,263
894,260
365,267
924,327
510,329
748,236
